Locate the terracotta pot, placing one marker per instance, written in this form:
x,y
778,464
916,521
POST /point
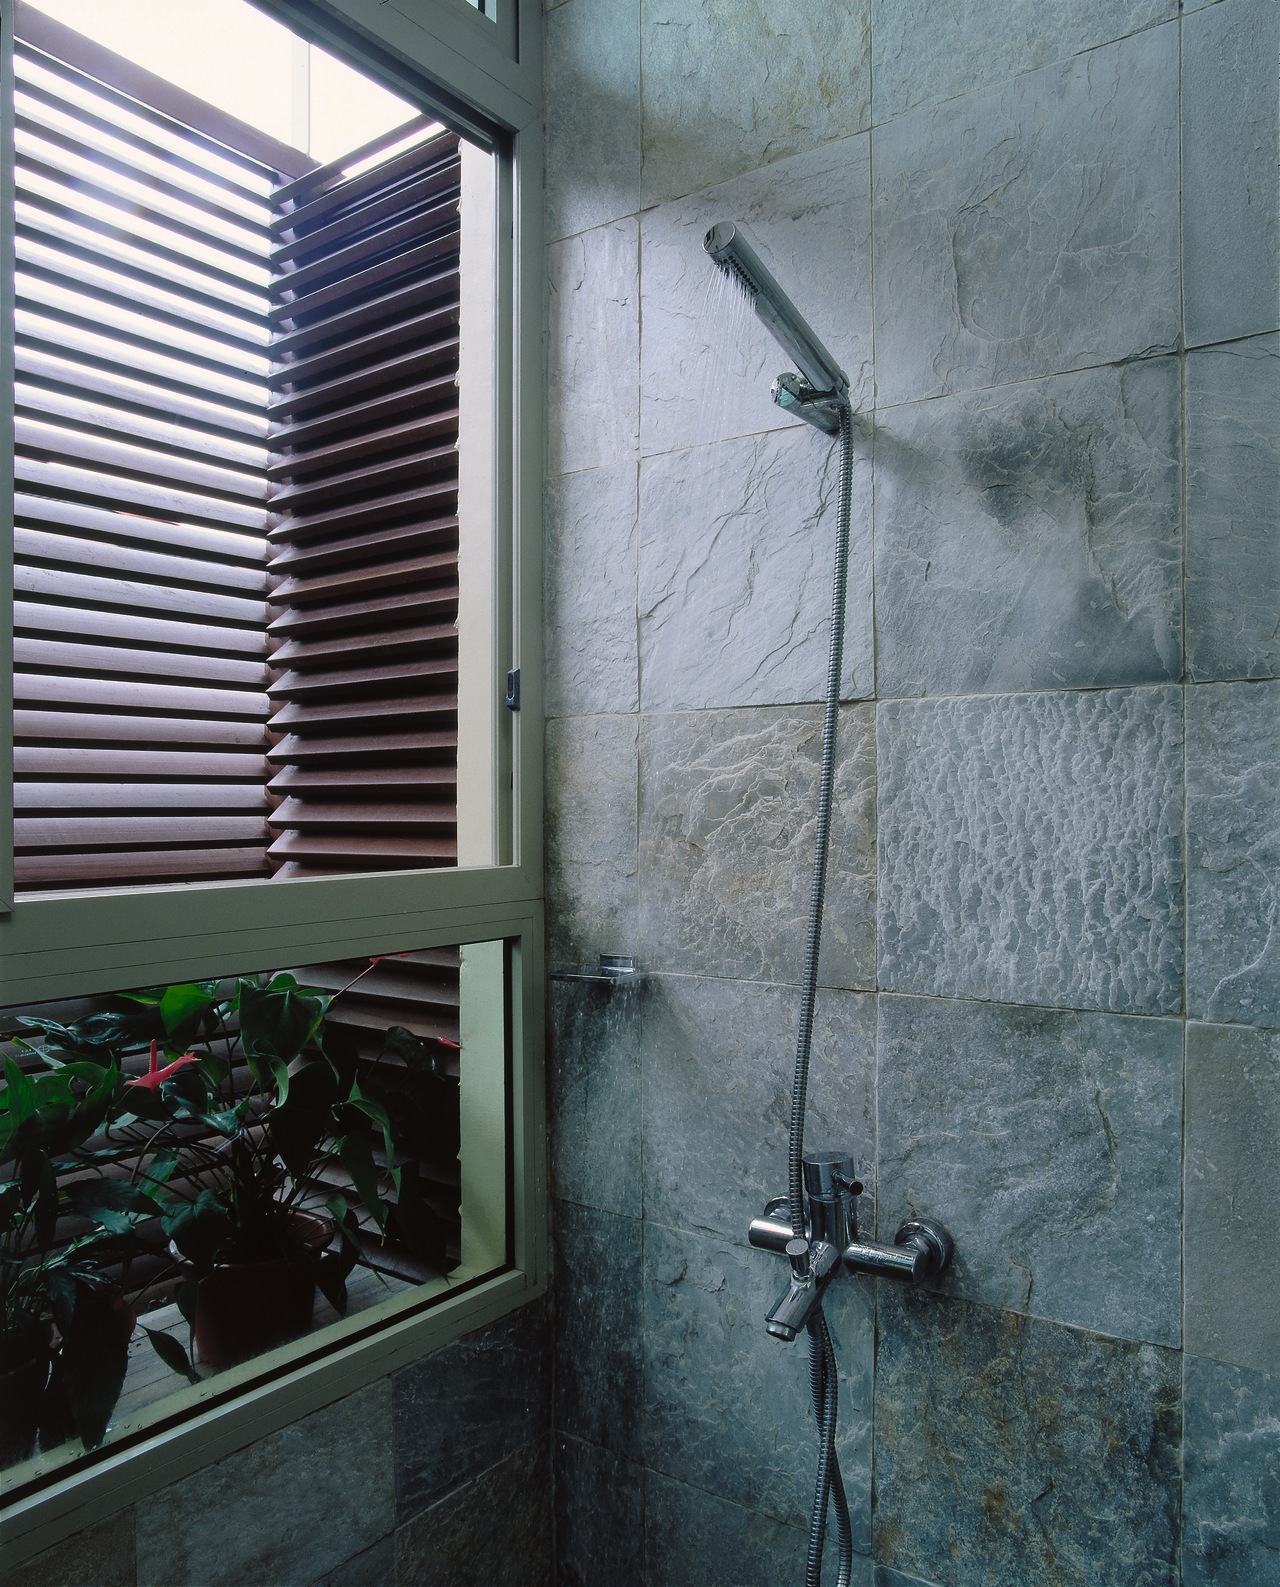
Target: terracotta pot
x,y
21,1391
246,1308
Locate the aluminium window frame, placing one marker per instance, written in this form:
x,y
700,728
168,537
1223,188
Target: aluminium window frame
x,y
483,77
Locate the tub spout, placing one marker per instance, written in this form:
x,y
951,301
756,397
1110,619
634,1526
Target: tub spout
x,y
812,1267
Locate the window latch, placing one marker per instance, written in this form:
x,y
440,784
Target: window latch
x,y
512,701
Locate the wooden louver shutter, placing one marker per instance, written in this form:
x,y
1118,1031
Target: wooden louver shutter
x,y
142,352
364,524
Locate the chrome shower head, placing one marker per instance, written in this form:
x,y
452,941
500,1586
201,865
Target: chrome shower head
x,y
823,387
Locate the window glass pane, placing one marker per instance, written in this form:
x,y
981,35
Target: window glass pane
x,y
195,1176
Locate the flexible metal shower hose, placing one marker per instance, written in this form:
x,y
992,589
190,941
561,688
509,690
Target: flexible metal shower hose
x,y
823,1379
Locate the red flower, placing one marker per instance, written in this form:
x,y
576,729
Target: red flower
x,y
155,1076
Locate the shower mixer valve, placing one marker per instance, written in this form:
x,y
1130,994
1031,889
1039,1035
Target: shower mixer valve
x,y
921,1248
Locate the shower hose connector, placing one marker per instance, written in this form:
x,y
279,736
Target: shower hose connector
x,y
920,1250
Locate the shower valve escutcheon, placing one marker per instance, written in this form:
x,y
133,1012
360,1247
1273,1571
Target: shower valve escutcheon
x,y
921,1248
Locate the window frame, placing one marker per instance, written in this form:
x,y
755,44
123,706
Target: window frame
x,y
468,67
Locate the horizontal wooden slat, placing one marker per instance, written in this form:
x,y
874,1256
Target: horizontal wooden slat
x,y
36,871
431,496
42,760
297,812
317,750
227,486
326,187
95,832
335,780
64,584
139,626
360,249
218,547
303,242
127,695
221,797
359,680
376,477
417,434
297,716
346,337
61,657
85,727
356,848
356,581
47,402
414,260
342,648
305,622
424,359
342,550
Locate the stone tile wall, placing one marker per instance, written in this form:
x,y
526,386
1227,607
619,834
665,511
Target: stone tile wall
x,y
1043,242
439,1475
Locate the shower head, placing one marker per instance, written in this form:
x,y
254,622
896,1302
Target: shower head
x,y
824,385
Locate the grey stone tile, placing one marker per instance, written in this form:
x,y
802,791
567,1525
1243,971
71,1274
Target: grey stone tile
x,y
1233,510
495,1532
591,95
1231,1243
1031,849
692,1536
592,867
707,360
593,347
226,1524
1030,228
1011,1451
1233,845
372,1567
718,1060
894,1578
726,840
730,85
590,583
595,1095
1031,537
737,546
1230,144
922,52
598,1271
726,1406
1231,1502
461,1409
99,1556
599,1517
1050,1145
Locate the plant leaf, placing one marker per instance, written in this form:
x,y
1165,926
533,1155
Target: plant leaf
x,y
357,1159
171,1352
95,1355
114,1203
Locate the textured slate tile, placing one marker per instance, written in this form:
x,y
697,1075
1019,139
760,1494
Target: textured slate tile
x,y
718,1060
737,546
458,1411
591,95
226,1524
494,1532
599,1517
1231,1243
1050,1145
598,1271
1230,144
1233,846
595,1095
707,360
726,843
100,1556
894,1578
593,347
372,1567
923,52
1030,848
726,1406
1233,510
1231,1503
1031,537
1032,227
591,855
692,1536
1013,1452
590,583
729,85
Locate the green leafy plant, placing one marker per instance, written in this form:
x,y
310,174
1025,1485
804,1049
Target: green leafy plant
x,y
59,1303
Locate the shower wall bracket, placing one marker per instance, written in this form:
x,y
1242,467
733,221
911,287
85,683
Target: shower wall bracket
x,y
921,1248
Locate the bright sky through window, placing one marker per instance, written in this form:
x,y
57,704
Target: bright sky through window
x,y
233,56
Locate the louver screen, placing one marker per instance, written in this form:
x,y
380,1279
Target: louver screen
x,y
142,355
236,507
364,504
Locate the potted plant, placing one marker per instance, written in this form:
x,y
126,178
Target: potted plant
x,y
64,1327
234,1127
